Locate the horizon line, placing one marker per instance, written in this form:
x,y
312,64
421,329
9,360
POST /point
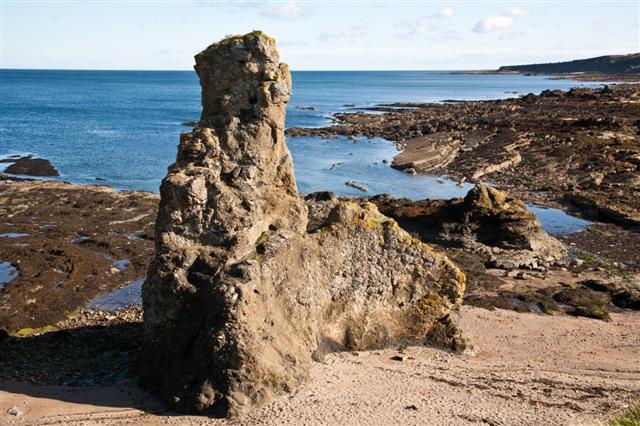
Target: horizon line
x,y
293,70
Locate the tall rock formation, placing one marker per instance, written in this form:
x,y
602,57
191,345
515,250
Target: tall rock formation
x,y
250,282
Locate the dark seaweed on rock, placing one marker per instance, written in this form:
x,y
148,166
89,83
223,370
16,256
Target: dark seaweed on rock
x,y
486,221
30,166
73,239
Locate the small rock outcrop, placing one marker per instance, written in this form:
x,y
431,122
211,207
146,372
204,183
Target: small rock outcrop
x,y
30,166
250,282
624,291
486,221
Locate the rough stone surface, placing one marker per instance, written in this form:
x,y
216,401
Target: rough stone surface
x,y
624,291
30,166
249,282
486,221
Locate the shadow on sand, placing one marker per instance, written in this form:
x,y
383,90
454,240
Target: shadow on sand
x,y
92,365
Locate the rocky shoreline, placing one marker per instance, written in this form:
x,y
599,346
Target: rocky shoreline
x,y
113,231
97,226
69,243
106,345
577,149
250,287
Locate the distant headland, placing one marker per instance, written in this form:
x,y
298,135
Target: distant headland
x,y
609,64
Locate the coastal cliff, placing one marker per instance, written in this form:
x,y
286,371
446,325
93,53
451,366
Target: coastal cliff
x,y
609,64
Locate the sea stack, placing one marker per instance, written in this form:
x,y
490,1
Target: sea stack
x,y
250,282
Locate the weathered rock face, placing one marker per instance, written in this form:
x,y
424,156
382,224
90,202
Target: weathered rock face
x,y
487,221
249,283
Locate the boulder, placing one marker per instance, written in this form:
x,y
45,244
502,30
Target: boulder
x,y
30,166
486,221
624,291
250,283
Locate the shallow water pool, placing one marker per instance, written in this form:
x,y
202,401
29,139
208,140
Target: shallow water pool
x,y
326,164
131,294
557,222
7,273
14,235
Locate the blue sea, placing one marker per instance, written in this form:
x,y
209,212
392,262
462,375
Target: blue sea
x,y
121,128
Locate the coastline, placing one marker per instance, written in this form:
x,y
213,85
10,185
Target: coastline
x,y
551,363
578,76
411,160
476,141
102,133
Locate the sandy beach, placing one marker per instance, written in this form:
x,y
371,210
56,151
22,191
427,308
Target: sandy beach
x,y
528,370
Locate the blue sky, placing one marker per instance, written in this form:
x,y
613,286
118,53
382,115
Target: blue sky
x,y
315,35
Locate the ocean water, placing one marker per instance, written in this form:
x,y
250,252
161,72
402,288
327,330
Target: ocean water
x,y
121,128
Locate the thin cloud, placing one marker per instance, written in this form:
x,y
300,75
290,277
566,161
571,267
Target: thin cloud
x,y
288,42
409,29
289,10
232,5
350,34
503,21
422,25
445,12
518,11
492,23
513,35
446,37
286,11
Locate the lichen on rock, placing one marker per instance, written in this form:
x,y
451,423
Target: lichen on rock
x,y
250,282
